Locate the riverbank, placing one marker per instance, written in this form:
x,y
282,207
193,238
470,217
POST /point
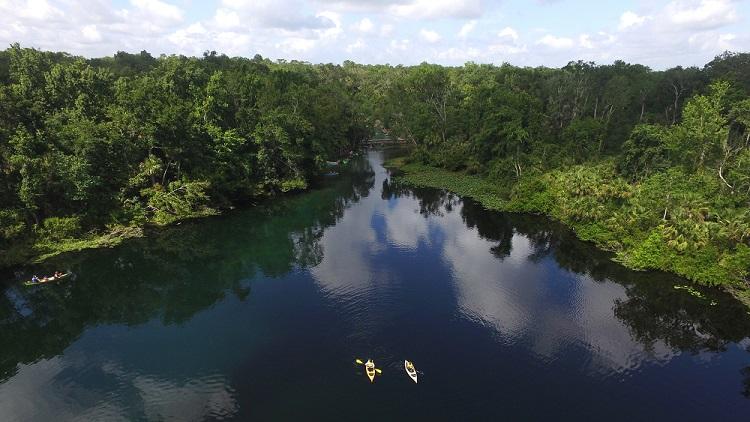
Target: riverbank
x,y
37,250
595,211
43,243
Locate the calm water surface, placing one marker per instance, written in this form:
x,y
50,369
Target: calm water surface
x,y
261,313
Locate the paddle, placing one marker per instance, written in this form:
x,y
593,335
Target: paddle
x,y
359,361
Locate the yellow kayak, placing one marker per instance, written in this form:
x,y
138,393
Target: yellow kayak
x,y
411,370
370,368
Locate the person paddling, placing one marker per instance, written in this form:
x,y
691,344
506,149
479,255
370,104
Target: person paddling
x,y
35,279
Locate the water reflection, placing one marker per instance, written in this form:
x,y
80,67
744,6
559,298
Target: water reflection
x,y
68,388
497,249
502,279
171,274
364,263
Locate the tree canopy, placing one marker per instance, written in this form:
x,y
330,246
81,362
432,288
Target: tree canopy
x,y
91,144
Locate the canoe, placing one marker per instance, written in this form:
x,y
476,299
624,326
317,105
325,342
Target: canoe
x,y
370,368
45,280
411,370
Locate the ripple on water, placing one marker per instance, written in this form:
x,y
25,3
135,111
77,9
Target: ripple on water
x,y
130,395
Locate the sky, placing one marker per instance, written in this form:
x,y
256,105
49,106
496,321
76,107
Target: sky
x,y
657,33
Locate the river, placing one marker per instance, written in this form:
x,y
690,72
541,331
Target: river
x,y
260,314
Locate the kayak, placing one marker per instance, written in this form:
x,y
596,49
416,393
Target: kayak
x,y
370,368
45,280
411,370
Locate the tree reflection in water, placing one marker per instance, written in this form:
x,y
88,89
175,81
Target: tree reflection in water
x,y
172,273
652,310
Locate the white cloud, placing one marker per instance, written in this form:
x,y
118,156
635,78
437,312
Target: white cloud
x,y
226,18
507,43
725,41
331,32
684,32
434,9
713,41
188,36
459,55
290,15
365,25
505,49
584,40
508,33
90,33
467,28
36,9
601,39
158,9
386,30
402,45
430,36
296,45
556,42
630,20
705,14
357,45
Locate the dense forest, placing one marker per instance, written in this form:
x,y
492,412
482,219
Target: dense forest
x,y
92,147
653,165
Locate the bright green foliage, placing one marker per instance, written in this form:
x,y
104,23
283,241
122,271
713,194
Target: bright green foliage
x,y
180,199
60,228
697,140
652,252
653,165
133,140
585,137
645,152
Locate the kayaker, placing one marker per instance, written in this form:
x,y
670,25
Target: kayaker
x,y
35,279
58,274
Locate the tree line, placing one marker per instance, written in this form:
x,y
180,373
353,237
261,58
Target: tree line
x,y
90,145
654,165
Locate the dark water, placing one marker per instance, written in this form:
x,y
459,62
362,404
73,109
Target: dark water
x,y
261,313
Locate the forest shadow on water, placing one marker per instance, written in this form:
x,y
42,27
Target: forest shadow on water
x,y
230,316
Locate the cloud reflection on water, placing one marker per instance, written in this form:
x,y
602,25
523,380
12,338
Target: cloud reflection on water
x,y
516,296
53,389
518,299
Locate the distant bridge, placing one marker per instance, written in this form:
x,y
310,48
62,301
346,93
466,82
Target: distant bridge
x,y
384,142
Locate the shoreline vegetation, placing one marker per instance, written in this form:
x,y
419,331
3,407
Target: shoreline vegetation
x,y
636,251
653,165
95,151
36,250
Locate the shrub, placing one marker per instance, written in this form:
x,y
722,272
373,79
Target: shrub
x,y
11,224
652,253
297,183
60,228
531,194
737,263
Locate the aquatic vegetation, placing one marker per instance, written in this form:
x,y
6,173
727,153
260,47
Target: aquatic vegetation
x,y
695,293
